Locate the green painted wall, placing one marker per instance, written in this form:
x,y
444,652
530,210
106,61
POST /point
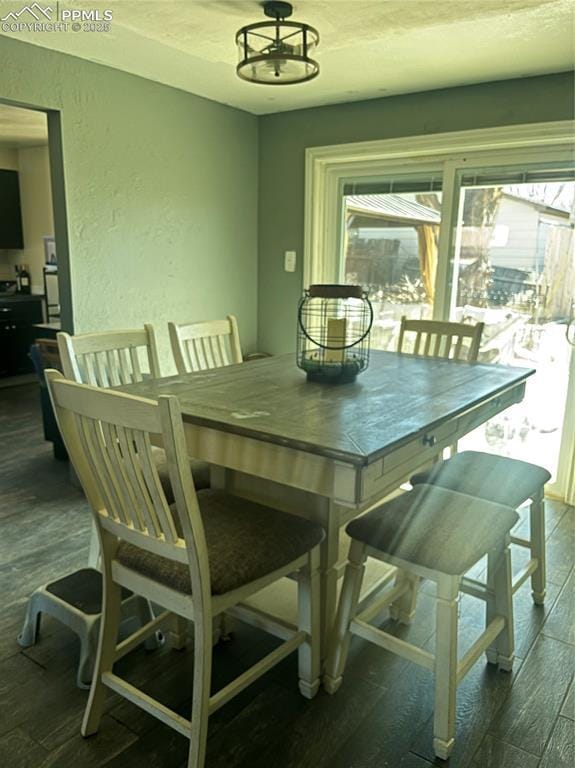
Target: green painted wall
x,y
285,136
161,193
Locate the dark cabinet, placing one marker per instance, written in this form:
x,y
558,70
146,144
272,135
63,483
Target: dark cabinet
x,y
18,314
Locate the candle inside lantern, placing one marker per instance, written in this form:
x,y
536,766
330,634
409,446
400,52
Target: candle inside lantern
x,y
336,335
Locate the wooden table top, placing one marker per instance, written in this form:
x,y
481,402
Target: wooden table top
x,y
398,398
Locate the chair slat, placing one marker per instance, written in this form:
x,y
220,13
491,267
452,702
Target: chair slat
x,y
458,346
113,367
119,468
163,516
207,350
88,364
217,357
143,509
224,356
91,437
417,343
136,370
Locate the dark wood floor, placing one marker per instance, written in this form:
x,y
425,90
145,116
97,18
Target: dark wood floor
x,y
380,717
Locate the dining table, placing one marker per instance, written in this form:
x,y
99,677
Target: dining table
x,y
326,451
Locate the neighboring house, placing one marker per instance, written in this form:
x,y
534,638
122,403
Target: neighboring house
x,y
521,232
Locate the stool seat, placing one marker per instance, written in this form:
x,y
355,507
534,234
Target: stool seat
x,y
494,478
435,528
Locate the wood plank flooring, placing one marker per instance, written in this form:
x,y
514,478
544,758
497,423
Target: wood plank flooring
x,y
381,717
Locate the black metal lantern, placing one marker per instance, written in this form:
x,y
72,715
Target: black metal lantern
x,y
277,52
334,322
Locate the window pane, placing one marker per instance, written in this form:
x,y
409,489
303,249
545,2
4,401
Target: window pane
x,y
390,248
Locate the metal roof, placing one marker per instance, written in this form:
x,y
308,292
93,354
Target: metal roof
x,y
391,207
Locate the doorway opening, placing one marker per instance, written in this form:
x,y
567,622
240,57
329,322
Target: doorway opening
x,y
35,299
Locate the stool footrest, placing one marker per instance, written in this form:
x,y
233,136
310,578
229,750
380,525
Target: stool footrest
x,y
479,646
140,635
520,542
393,644
525,573
378,604
475,588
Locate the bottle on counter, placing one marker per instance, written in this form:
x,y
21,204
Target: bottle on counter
x,y
18,286
24,279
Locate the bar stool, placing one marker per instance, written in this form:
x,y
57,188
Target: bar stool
x,y
432,533
503,481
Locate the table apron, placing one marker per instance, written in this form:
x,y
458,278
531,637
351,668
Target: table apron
x,y
346,484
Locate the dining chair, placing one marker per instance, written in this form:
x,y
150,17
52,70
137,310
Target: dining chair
x,y
113,358
202,555
204,345
435,338
437,534
110,358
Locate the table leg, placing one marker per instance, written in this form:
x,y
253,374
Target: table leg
x,y
317,508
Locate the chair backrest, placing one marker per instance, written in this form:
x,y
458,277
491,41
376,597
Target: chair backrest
x,y
108,436
205,345
110,359
435,338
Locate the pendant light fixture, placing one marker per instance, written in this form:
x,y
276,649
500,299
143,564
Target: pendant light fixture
x,y
277,52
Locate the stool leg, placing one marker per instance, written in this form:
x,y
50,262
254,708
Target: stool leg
x,y
341,637
445,666
537,523
309,622
403,609
500,603
31,628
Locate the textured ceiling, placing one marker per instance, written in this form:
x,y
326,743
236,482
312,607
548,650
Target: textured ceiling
x,y
22,127
367,48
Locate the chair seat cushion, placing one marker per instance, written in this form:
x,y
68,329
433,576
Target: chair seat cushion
x,y
245,542
435,528
200,473
495,478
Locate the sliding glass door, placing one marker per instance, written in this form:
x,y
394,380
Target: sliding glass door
x,y
485,239
513,268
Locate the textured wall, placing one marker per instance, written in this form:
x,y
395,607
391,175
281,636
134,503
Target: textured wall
x,y
161,194
285,136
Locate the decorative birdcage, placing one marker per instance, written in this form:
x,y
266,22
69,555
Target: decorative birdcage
x,y
334,322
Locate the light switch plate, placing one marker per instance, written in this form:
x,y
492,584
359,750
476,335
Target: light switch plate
x,y
289,261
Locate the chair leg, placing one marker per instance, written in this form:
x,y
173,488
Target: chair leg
x,y
348,601
445,666
110,622
309,622
403,609
203,642
31,628
88,651
500,603
537,523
